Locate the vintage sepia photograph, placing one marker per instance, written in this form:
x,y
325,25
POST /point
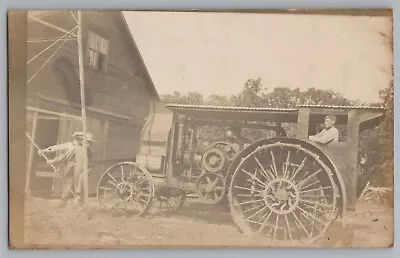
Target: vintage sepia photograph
x,y
154,129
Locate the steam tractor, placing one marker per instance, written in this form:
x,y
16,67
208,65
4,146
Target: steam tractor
x,y
258,161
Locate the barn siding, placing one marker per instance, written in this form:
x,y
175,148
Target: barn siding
x,y
123,90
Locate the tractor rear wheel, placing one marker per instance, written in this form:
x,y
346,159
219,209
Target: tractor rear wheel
x,y
284,192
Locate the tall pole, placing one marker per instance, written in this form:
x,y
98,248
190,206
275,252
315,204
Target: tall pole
x,y
83,107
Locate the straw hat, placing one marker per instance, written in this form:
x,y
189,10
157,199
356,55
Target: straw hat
x,y
89,136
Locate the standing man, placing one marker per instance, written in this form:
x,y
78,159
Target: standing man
x,y
67,162
79,169
329,134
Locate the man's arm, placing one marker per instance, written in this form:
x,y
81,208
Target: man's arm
x,y
56,147
325,137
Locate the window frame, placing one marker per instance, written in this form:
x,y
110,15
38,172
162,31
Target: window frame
x,y
103,69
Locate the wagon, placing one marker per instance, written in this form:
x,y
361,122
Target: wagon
x,y
259,162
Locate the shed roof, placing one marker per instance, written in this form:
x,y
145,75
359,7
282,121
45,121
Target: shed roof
x,y
284,115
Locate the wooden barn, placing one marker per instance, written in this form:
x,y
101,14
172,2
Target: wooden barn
x,y
118,90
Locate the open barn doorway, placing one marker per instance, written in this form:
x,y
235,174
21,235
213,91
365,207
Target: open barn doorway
x,y
47,129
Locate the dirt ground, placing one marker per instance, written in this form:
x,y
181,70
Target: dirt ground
x,y
196,225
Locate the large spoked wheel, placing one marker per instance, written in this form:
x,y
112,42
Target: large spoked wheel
x,y
126,188
283,192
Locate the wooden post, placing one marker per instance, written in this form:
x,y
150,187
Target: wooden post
x,y
303,123
30,160
83,107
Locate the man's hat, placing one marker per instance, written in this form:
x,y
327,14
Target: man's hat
x,y
89,136
77,134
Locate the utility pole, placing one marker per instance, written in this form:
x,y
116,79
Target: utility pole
x,y
83,107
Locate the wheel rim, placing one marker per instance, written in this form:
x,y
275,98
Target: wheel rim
x,y
284,192
126,188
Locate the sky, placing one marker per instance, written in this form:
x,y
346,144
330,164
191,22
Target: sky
x,y
215,53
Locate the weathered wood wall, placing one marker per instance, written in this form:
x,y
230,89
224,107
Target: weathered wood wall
x,y
117,100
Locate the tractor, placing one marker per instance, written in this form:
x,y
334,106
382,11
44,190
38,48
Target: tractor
x,y
259,162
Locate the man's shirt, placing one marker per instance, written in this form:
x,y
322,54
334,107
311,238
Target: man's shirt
x,y
69,153
327,136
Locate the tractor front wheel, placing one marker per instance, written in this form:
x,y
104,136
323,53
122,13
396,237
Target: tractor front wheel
x,y
126,188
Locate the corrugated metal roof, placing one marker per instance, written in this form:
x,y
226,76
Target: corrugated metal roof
x,y
342,107
229,108
262,109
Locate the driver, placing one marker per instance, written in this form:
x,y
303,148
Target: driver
x,y
329,134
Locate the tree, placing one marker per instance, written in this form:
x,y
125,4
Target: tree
x,y
251,95
193,98
386,136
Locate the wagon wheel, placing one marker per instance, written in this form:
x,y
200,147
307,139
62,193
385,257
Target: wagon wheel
x,y
284,192
211,188
126,188
169,200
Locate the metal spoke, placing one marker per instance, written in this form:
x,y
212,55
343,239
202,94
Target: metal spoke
x,y
257,212
102,187
252,208
241,203
140,181
111,177
309,201
253,177
254,183
298,169
286,164
310,176
265,221
315,196
132,171
316,189
317,204
301,224
122,173
248,189
273,164
276,226
313,207
111,183
313,183
264,172
287,224
248,195
311,216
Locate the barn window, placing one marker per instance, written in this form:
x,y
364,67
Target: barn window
x,y
97,51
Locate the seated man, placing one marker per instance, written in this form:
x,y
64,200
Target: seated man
x,y
329,134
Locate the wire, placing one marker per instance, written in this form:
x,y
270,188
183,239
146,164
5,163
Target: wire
x,y
47,48
45,63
